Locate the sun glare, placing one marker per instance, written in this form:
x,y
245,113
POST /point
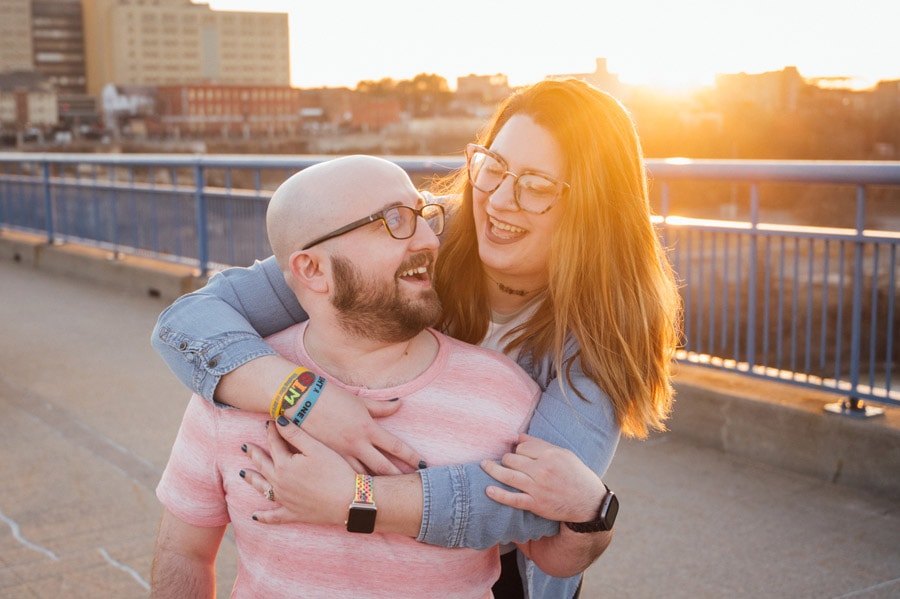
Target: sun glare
x,y
671,47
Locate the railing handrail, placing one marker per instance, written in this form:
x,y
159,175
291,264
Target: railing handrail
x,y
849,172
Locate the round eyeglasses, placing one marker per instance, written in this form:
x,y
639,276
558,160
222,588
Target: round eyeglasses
x,y
400,222
533,192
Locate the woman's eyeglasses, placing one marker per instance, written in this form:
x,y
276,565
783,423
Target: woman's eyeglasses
x,y
533,192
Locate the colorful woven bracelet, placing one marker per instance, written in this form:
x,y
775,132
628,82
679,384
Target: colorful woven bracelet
x,y
291,389
309,401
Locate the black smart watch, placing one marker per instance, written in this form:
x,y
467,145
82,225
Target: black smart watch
x,y
606,515
361,516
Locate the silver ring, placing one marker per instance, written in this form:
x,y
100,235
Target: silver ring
x,y
269,494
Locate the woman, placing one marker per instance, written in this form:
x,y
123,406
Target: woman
x,y
550,257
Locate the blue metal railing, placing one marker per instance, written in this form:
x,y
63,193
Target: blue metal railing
x,y
768,293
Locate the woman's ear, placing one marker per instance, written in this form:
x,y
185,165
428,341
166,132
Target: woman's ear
x,y
308,270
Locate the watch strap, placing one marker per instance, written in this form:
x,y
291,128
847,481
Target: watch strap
x,y
363,493
606,515
362,512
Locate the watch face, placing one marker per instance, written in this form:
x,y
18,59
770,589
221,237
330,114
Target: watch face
x,y
609,510
361,519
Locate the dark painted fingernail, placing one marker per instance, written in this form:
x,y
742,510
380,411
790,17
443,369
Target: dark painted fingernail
x,y
395,399
282,421
244,448
422,465
255,518
243,474
267,424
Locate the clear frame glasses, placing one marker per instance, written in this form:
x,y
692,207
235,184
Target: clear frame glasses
x,y
400,222
533,192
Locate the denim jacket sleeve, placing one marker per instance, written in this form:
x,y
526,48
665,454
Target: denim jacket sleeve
x,y
210,332
457,513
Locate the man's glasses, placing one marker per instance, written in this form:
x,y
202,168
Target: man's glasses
x,y
533,192
400,222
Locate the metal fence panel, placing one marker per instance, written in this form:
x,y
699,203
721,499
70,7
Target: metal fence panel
x,y
811,305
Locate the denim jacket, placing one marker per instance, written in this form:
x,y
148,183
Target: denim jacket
x,y
210,332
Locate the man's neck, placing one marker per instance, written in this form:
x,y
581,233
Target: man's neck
x,y
369,363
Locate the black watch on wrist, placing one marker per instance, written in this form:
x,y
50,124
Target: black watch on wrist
x,y
606,515
361,517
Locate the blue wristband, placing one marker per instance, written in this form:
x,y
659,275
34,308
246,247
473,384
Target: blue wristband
x,y
309,400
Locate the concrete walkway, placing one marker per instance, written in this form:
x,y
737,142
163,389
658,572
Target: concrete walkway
x,y
89,413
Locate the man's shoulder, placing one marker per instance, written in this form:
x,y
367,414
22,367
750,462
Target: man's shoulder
x,y
286,341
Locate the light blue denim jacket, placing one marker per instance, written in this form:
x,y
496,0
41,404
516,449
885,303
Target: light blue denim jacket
x,y
210,332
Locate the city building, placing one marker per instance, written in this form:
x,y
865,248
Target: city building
x,y
487,89
58,40
46,37
28,104
771,91
176,42
602,79
15,36
228,110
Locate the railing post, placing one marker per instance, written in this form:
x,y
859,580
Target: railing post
x,y
200,207
853,405
752,264
48,199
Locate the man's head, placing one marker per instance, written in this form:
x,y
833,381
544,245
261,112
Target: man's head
x,y
349,238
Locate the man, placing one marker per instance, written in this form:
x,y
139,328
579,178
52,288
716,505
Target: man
x,y
367,289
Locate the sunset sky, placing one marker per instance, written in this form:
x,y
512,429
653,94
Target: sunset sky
x,y
662,42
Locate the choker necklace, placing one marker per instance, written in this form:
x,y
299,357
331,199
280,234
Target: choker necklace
x,y
510,290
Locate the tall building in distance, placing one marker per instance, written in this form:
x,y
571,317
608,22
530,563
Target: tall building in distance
x,y
58,40
176,42
15,36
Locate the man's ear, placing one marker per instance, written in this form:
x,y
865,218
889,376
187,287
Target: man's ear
x,y
308,270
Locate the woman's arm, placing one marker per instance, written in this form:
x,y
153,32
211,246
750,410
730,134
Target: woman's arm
x,y
212,340
451,508
458,512
210,333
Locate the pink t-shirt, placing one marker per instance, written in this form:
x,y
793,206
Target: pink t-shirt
x,y
470,404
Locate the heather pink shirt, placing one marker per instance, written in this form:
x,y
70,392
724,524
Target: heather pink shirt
x,y
468,405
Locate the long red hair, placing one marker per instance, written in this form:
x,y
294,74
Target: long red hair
x,y
610,283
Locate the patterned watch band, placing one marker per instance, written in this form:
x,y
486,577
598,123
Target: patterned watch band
x,y
363,489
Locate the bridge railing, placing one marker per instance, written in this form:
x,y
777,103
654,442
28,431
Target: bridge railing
x,y
788,269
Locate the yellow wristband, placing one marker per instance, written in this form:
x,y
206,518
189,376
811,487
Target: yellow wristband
x,y
291,389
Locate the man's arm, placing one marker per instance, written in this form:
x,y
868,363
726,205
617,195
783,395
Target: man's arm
x,y
567,553
538,472
184,565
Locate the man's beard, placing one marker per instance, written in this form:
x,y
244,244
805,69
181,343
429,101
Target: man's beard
x,y
375,309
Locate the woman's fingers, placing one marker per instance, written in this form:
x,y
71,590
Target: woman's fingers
x,y
291,434
378,408
389,445
255,480
375,462
278,515
260,458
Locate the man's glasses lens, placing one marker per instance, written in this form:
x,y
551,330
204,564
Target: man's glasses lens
x,y
533,192
401,220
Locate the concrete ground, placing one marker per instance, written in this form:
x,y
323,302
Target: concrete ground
x,y
89,413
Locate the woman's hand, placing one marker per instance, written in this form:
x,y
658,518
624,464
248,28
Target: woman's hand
x,y
554,483
315,485
339,419
345,423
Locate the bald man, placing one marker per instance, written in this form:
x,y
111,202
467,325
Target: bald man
x,y
357,245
